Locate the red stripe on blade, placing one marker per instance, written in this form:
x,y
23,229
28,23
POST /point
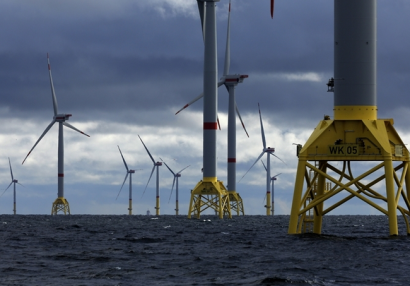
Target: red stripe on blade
x,y
272,3
231,160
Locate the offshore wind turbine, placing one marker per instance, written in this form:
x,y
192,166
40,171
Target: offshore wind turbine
x,y
129,172
273,179
207,10
209,192
269,151
176,176
60,204
156,164
13,181
231,81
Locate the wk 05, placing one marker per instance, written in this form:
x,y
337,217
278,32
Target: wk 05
x,y
344,150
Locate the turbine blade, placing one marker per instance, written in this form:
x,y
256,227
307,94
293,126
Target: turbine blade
x,y
148,181
264,166
126,176
9,186
201,8
173,183
53,94
167,167
260,156
262,131
72,127
11,171
240,118
153,161
217,120
21,184
126,167
183,169
6,189
189,103
228,44
278,158
227,89
272,4
41,137
276,175
196,99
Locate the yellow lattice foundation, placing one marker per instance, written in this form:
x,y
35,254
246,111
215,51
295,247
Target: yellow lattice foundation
x,y
236,203
349,142
60,205
210,194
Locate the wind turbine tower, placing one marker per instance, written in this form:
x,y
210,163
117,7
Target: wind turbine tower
x,y
269,151
129,172
176,177
231,81
209,192
236,202
354,135
273,179
60,204
156,165
14,182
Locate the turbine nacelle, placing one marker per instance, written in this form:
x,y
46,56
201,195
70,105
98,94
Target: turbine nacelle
x,y
269,149
233,79
158,164
178,175
62,117
131,171
15,181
